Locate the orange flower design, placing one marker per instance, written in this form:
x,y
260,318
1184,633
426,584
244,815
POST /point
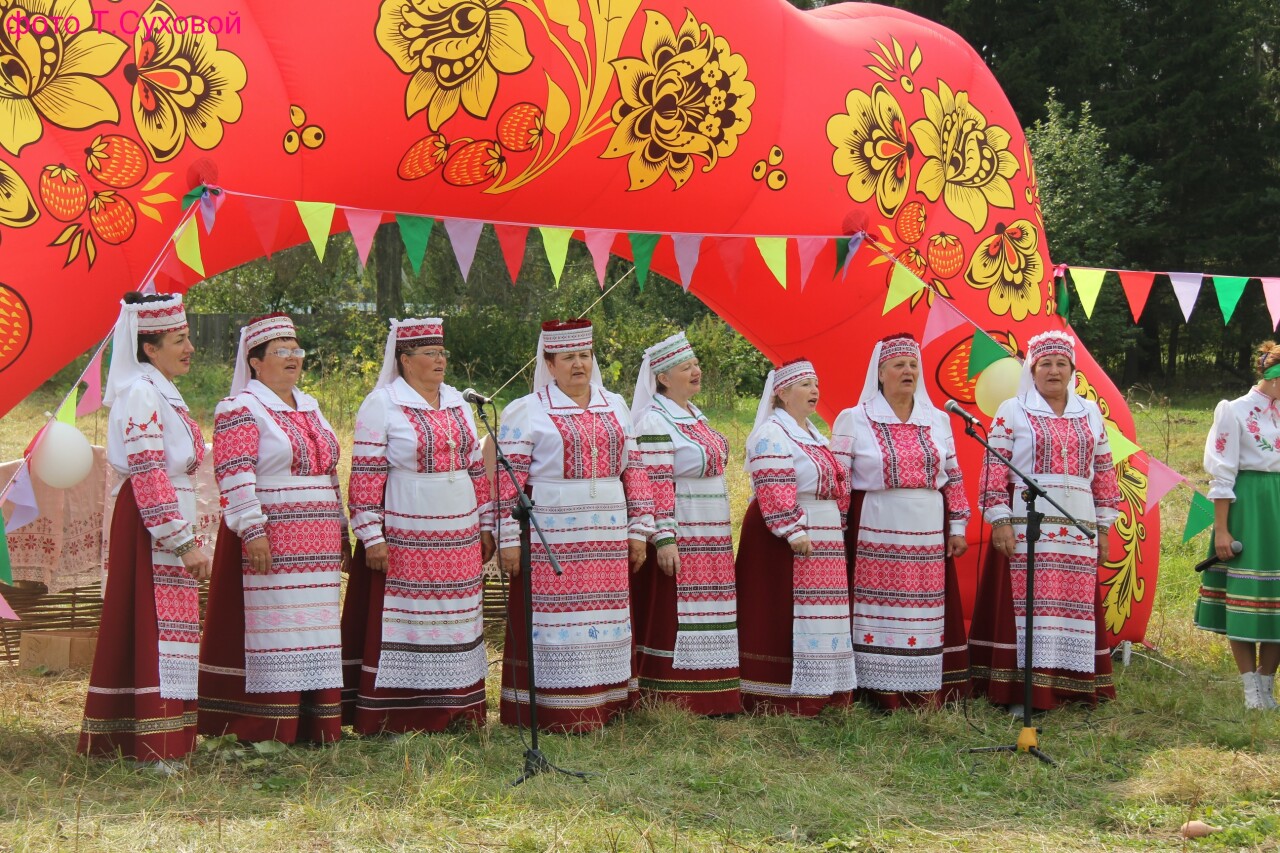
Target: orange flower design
x,y
872,148
1008,266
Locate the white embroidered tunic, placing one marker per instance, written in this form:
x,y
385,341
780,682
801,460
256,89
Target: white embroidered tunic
x,y
1245,437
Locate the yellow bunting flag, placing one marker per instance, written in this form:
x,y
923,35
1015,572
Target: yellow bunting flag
x,y
555,242
1121,447
902,286
1088,283
67,412
317,218
774,252
187,245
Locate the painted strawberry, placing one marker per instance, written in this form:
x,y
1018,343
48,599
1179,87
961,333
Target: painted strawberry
x,y
116,160
946,254
475,163
910,222
953,370
520,127
112,217
424,157
913,260
63,193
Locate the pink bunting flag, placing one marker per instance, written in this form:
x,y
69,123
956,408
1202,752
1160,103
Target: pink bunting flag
x,y
733,252
688,248
464,234
600,244
856,243
23,498
265,214
92,399
943,317
1186,286
1160,481
808,247
512,240
362,224
1271,287
6,612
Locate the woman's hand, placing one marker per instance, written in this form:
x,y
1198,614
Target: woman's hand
x,y
344,563
376,557
669,560
956,546
637,550
509,558
1222,540
801,546
259,552
1003,540
198,563
487,546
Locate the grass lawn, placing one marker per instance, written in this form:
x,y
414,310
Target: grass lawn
x,y
1176,745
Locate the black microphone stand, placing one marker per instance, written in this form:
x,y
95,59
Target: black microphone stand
x,y
1028,740
534,761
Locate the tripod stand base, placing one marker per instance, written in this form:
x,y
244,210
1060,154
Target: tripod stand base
x,y
536,763
1027,742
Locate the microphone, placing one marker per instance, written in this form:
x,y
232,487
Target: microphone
x,y
471,395
1236,548
954,408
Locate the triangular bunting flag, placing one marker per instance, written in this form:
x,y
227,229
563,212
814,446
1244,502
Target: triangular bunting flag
x,y
1121,447
555,242
1137,287
855,245
415,231
265,214
6,611
983,353
192,196
1061,298
808,249
642,246
1160,481
6,568
1229,289
67,411
464,234
92,399
774,252
1088,282
210,202
362,224
317,218
600,245
733,252
187,246
23,498
1271,288
1186,286
943,317
1199,517
512,240
688,248
902,285
842,252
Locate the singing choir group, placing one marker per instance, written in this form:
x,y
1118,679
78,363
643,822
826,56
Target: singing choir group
x,y
844,582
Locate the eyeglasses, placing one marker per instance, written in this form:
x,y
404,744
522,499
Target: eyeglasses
x,y
285,352
432,353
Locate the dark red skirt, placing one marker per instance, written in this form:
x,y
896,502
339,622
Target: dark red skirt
x,y
308,716
376,710
955,642
993,650
124,714
765,596
653,617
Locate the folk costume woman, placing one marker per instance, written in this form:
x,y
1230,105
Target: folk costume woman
x,y
271,660
572,447
142,690
793,588
684,599
420,507
906,523
1240,594
1060,439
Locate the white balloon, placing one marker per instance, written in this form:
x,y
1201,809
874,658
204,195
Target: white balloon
x,y
996,384
63,458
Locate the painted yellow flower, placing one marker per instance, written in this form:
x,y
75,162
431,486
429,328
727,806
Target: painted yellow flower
x,y
968,162
455,50
872,148
17,205
50,56
688,96
1008,266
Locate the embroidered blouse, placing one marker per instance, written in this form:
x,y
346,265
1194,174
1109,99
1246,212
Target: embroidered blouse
x,y
788,462
675,443
1245,437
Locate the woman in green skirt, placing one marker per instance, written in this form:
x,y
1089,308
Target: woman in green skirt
x,y
1240,593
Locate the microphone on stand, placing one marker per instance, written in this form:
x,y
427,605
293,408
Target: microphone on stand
x,y
473,396
954,408
1236,548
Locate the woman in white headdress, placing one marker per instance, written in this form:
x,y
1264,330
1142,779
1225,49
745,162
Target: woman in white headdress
x,y
573,448
684,601
420,507
142,690
793,590
271,660
906,523
1060,439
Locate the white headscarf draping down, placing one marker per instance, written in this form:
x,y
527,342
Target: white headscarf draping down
x,y
240,378
646,388
542,374
124,368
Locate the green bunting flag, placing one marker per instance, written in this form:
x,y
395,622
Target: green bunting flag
x,y
642,246
415,231
6,572
842,250
983,353
1088,284
1063,304
1199,518
1229,289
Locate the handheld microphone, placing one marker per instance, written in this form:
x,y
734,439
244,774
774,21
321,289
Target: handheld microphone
x,y
471,395
954,408
1236,548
